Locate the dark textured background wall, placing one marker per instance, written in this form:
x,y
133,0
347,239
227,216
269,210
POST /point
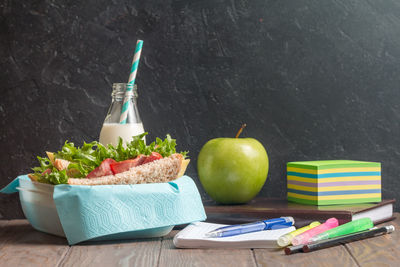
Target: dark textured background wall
x,y
312,79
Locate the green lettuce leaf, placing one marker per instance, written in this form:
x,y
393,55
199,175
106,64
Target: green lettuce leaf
x,y
86,158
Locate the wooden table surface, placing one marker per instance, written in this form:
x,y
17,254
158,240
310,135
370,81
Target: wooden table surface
x,y
21,245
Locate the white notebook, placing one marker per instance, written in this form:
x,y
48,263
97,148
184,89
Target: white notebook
x,y
193,236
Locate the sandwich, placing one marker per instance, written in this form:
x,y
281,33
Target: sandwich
x,y
96,164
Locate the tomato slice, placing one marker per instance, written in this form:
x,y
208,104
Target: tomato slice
x,y
126,165
103,170
47,171
153,156
110,166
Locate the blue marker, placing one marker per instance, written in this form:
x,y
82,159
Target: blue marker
x,y
277,223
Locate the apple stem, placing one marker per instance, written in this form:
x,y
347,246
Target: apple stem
x,y
240,130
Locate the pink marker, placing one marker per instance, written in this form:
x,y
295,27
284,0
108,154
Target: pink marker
x,y
304,237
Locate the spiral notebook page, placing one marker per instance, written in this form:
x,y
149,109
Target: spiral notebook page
x,y
193,236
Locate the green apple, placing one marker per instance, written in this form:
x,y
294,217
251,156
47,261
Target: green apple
x,y
233,170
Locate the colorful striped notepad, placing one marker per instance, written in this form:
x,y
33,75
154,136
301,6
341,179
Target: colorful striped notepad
x,y
334,182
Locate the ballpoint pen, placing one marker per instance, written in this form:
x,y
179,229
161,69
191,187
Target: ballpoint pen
x,y
276,223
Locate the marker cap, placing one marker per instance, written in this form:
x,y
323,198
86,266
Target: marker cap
x,y
284,241
304,237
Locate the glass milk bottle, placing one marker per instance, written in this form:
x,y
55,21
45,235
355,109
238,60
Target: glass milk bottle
x,y
112,129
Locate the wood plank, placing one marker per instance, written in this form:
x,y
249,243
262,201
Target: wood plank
x,y
3,230
21,245
381,250
143,252
3,223
171,256
25,246
325,257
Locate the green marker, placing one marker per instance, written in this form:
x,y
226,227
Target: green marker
x,y
344,229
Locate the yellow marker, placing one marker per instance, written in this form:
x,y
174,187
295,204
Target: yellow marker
x,y
286,239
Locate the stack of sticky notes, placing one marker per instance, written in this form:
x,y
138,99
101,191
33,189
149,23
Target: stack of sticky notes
x,y
330,182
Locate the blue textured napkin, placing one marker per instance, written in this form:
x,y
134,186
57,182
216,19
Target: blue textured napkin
x,y
123,211
12,187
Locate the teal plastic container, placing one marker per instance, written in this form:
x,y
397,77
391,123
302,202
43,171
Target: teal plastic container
x,y
110,212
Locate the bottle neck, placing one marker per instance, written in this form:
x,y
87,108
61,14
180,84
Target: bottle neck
x,y
123,90
119,95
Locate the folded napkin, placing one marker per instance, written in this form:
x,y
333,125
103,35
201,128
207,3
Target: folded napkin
x,y
123,211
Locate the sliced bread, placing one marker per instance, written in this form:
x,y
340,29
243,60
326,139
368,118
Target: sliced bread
x,y
159,171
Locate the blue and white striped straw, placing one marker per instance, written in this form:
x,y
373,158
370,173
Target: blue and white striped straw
x,y
131,82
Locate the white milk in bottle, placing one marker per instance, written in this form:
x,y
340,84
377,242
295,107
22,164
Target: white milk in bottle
x,y
112,129
125,131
